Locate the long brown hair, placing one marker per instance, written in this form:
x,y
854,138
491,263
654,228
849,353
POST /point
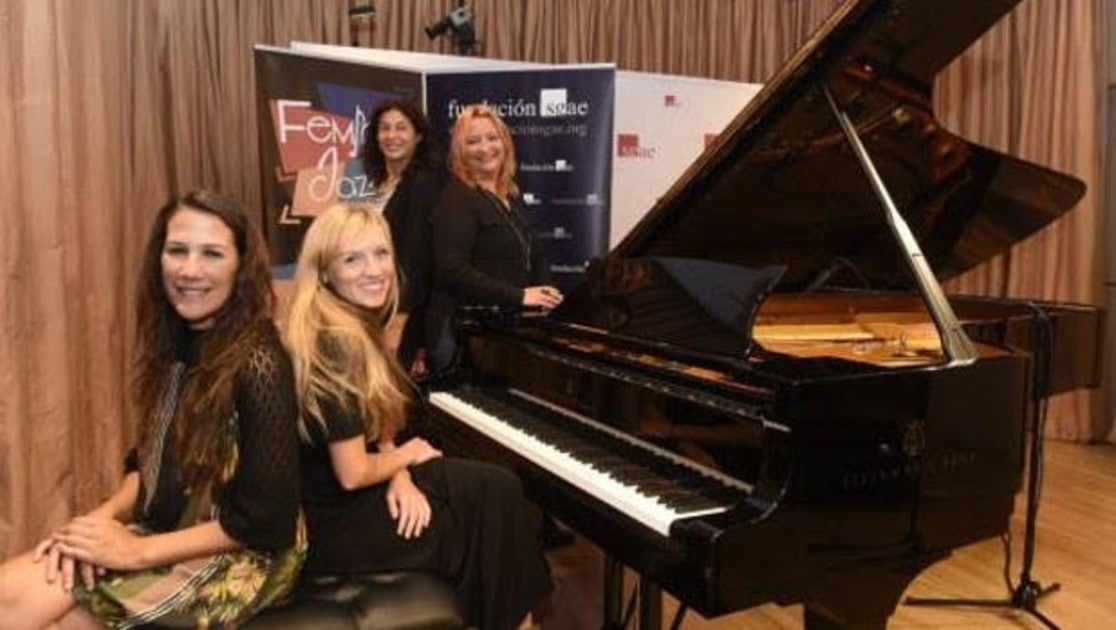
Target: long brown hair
x,y
206,399
505,180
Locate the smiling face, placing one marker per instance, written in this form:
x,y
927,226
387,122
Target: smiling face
x,y
483,149
363,271
397,137
199,263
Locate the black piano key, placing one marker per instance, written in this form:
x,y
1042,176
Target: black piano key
x,y
675,485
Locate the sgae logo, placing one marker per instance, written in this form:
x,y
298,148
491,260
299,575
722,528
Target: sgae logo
x,y
627,146
555,102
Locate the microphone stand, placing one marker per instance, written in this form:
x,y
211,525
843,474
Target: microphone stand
x,y
1027,593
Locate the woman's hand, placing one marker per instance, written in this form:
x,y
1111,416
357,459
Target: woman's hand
x,y
419,451
58,565
545,297
419,367
102,542
407,505
64,567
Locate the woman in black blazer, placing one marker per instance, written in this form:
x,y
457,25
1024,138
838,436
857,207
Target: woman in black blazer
x,y
485,251
403,163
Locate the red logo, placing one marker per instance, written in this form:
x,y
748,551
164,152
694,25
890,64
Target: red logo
x,y
309,138
627,146
670,100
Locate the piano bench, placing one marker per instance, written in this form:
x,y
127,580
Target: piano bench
x,y
408,600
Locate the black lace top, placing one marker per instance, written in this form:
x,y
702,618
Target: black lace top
x,y
258,505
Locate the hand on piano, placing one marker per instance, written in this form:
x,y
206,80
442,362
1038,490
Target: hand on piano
x,y
545,297
407,505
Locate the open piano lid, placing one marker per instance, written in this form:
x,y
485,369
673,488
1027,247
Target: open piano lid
x,y
780,185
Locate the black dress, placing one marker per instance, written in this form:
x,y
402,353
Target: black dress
x,y
408,215
483,254
478,536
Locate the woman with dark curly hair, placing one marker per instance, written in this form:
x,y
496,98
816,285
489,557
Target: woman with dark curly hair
x,y
204,529
404,165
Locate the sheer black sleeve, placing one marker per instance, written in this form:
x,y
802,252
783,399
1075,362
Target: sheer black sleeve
x,y
259,504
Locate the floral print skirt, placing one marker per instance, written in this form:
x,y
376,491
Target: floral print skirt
x,y
219,591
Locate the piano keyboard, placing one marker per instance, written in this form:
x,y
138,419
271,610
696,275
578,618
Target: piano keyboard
x,y
649,484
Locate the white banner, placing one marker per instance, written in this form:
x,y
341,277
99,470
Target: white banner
x,y
662,124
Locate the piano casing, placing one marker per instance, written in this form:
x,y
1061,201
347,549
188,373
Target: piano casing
x,y
763,322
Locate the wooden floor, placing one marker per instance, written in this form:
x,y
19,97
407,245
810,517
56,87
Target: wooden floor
x,y
1076,548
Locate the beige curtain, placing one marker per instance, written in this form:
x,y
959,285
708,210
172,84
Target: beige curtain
x,y
1034,87
738,40
107,109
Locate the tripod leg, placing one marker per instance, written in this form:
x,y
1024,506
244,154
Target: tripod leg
x,y
1026,599
1030,592
1046,621
1026,595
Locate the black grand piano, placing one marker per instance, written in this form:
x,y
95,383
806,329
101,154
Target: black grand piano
x,y
762,395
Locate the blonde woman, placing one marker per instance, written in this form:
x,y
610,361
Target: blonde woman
x,y
373,501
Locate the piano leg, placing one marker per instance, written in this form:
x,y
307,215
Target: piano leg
x,y
650,599
613,593
860,602
860,620
650,605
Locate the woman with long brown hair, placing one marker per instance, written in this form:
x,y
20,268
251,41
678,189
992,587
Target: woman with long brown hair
x,y
373,501
204,527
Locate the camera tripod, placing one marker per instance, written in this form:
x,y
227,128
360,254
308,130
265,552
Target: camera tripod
x,y
1028,591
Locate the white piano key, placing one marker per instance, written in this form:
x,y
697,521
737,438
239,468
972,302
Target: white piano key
x,y
645,509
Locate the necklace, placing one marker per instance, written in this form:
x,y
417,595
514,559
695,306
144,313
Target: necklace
x,y
506,213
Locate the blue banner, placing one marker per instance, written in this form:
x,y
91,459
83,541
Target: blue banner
x,y
561,121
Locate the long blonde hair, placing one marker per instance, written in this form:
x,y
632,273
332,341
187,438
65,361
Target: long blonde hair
x,y
505,180
337,348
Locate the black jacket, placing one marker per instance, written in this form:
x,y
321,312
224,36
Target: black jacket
x,y
408,215
482,253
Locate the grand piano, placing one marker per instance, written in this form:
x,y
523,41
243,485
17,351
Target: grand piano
x,y
762,393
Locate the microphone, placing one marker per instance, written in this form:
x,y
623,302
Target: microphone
x,y
362,12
